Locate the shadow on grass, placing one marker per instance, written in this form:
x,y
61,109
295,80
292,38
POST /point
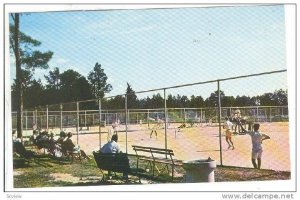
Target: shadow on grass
x,y
233,173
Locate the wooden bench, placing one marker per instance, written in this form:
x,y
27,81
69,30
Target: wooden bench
x,y
114,162
156,155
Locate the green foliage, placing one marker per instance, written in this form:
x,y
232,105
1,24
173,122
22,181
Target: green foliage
x,y
53,79
29,58
74,87
98,81
131,97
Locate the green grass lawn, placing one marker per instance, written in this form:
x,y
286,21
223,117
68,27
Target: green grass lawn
x,y
49,172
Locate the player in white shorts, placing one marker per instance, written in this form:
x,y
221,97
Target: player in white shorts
x,y
228,126
256,138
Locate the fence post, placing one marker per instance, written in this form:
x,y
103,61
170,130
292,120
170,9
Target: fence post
x,y
36,117
166,118
60,117
84,118
47,117
41,120
126,120
148,118
128,114
219,118
93,119
184,115
257,113
33,120
26,113
77,126
99,106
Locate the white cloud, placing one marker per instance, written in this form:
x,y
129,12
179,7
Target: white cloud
x,y
58,61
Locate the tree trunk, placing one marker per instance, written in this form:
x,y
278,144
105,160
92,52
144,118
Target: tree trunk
x,y
18,79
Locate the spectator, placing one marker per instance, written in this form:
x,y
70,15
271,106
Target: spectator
x,y
113,147
32,138
42,140
62,136
52,144
19,148
69,146
15,137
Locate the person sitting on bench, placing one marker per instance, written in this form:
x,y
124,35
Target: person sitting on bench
x,y
68,146
113,147
19,148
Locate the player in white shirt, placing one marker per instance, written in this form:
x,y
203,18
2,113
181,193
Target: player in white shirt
x,y
228,133
257,138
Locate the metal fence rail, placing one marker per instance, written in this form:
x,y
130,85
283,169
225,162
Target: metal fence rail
x,y
73,114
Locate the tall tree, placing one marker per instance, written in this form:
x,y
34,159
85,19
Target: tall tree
x,y
34,94
157,101
53,79
131,97
213,99
243,101
14,44
53,91
26,83
267,99
196,102
281,97
171,101
74,86
21,46
227,101
98,81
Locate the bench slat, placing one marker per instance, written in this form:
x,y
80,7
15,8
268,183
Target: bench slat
x,y
155,152
154,148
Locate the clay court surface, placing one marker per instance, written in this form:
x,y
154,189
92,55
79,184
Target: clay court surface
x,y
199,142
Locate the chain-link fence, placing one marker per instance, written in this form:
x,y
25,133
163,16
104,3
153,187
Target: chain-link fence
x,y
192,132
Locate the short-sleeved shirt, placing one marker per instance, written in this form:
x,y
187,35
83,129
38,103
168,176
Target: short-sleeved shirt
x,y
256,138
228,125
115,126
110,147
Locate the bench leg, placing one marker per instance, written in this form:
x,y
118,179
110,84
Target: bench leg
x,y
172,172
155,167
103,176
137,164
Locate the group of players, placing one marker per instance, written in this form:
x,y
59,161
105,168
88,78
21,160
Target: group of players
x,y
256,136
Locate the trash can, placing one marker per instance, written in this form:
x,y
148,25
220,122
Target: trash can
x,y
201,170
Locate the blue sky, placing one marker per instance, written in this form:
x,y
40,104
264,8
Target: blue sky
x,y
155,48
